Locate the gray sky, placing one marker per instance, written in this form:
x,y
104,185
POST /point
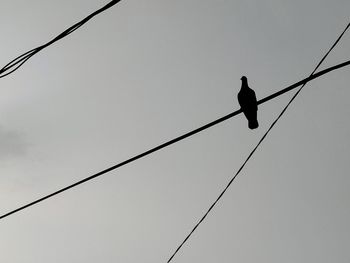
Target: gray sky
x,y
147,71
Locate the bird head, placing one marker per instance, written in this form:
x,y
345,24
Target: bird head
x,y
244,78
244,81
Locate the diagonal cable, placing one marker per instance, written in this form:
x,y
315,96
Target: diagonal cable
x,y
175,140
16,63
255,148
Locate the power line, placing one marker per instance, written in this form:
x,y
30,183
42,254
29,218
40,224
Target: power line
x,y
255,148
177,139
16,63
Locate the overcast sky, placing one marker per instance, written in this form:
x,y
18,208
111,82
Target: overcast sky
x,y
144,72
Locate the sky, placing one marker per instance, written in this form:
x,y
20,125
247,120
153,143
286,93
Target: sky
x,y
144,72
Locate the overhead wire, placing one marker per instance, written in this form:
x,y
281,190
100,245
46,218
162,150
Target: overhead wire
x,y
254,149
175,140
17,62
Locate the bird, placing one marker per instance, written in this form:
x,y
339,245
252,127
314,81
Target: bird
x,y
247,101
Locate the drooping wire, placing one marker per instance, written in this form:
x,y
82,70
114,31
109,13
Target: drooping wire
x,y
16,63
254,149
175,140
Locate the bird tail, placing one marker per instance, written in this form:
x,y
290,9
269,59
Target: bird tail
x,y
253,124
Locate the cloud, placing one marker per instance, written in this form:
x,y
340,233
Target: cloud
x,y
12,144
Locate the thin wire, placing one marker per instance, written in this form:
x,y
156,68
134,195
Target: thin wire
x,y
16,63
177,139
255,148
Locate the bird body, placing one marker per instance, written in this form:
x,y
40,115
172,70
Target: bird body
x,y
247,101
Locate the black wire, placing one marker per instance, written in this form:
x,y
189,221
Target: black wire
x,y
16,63
177,139
255,148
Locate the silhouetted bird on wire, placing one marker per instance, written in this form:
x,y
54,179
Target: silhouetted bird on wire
x,y
247,101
